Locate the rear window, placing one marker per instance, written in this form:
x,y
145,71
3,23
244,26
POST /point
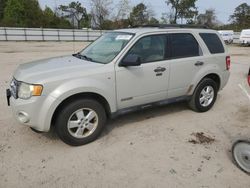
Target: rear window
x,y
213,43
184,45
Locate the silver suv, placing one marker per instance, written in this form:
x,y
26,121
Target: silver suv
x,y
122,71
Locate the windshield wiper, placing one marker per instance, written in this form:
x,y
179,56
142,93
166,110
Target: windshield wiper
x,y
80,56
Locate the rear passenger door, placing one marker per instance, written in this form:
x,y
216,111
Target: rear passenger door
x,y
186,61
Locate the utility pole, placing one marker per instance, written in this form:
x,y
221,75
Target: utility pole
x,y
55,2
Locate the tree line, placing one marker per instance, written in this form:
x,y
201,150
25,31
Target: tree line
x,y
105,14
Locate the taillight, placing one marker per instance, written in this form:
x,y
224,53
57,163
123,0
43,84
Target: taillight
x,y
228,62
248,77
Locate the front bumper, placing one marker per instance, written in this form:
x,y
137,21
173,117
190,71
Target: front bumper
x,y
34,112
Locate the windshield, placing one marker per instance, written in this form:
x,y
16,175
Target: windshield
x,y
107,47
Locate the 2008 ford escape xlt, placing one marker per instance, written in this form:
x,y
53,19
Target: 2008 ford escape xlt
x,y
123,70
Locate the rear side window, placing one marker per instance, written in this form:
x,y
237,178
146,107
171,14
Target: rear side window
x,y
213,43
184,45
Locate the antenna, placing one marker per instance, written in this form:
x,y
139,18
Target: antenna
x,y
74,40
74,48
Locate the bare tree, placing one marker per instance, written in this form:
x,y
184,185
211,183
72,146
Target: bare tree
x,y
168,17
100,11
123,9
208,18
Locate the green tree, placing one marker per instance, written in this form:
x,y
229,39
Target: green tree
x,y
121,23
139,15
48,17
241,15
32,14
22,13
14,13
182,9
86,22
153,21
2,7
74,11
51,20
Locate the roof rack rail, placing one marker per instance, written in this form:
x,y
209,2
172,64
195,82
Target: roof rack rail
x,y
173,26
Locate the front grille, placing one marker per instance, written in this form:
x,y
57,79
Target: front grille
x,y
14,88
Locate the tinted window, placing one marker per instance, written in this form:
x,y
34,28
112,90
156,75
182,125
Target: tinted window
x,y
150,48
184,45
213,43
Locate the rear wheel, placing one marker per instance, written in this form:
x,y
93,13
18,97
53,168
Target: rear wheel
x,y
204,95
241,155
80,121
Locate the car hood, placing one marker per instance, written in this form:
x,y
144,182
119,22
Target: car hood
x,y
41,70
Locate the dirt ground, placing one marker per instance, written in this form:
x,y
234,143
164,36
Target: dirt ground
x,y
152,148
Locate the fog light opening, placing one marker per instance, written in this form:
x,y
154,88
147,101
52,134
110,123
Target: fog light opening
x,y
23,117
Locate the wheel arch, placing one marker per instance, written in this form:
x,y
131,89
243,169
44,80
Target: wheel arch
x,y
214,76
90,95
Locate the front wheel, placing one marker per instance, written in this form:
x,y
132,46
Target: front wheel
x,y
204,95
80,122
241,155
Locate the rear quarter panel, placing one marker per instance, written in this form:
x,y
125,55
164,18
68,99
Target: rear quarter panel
x,y
213,63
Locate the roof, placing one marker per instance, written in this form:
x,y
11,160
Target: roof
x,y
141,30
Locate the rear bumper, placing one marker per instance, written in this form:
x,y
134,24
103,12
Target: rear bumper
x,y
245,41
224,80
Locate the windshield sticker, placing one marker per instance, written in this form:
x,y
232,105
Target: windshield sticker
x,y
123,37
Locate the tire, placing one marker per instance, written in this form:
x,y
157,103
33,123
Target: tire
x,y
80,121
196,103
241,155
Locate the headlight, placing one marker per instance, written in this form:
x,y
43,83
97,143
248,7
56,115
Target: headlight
x,y
25,91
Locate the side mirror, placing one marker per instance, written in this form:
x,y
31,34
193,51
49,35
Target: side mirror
x,y
130,60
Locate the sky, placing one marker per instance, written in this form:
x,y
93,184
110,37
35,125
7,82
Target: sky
x,y
223,8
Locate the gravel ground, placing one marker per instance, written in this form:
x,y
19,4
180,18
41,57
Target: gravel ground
x,y
152,148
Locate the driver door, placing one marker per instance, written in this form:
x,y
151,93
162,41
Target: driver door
x,y
148,82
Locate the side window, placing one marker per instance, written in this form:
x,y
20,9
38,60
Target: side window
x,y
184,45
213,43
150,48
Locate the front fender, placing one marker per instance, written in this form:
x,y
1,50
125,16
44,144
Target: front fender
x,y
72,87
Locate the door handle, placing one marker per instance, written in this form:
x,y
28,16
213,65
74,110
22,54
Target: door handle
x,y
160,69
199,63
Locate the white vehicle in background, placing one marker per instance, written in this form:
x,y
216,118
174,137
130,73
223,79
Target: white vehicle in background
x,y
227,36
245,37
